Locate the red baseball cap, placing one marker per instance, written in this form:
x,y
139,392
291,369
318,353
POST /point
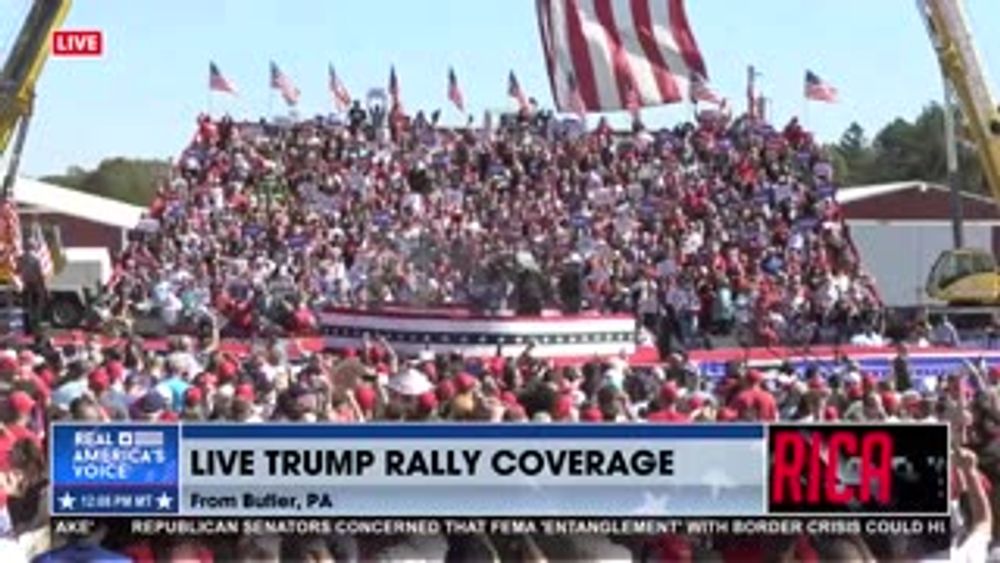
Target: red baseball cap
x,y
668,392
591,414
245,391
8,365
169,416
445,389
563,407
755,376
116,370
193,396
21,402
227,371
98,380
465,383
428,402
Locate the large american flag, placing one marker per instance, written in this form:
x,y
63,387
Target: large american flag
x,y
608,45
284,85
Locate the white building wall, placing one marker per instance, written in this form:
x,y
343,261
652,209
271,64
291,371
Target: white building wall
x,y
900,254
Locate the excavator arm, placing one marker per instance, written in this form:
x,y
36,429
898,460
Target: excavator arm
x,y
950,34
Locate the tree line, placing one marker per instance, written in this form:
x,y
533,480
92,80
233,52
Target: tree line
x,y
905,150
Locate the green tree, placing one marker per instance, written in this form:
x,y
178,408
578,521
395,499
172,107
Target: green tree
x,y
130,180
856,156
904,150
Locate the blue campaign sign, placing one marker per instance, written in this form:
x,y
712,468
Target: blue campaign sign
x,y
115,468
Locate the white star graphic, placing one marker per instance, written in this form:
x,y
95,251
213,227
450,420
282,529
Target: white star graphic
x,y
67,501
652,505
717,480
163,501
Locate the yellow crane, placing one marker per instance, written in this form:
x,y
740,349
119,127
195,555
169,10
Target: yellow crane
x,y
965,276
17,96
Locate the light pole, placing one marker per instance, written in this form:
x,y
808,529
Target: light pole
x,y
954,174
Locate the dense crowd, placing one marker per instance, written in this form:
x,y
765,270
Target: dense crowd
x,y
712,227
96,382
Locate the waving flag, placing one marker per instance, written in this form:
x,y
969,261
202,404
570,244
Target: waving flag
x,y
514,91
700,92
818,90
454,92
219,83
341,97
283,84
609,44
394,88
42,252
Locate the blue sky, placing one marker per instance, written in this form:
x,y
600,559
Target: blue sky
x,y
141,98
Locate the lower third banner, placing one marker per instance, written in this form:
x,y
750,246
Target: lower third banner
x,y
434,470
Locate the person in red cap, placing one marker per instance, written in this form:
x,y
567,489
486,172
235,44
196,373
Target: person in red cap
x,y
591,413
754,402
563,409
668,406
22,406
366,398
427,405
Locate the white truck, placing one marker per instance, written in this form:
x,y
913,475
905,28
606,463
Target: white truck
x,y
84,272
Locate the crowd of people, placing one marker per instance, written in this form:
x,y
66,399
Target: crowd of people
x,y
716,227
711,228
97,383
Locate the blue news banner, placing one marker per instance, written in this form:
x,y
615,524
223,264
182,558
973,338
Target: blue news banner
x,y
392,470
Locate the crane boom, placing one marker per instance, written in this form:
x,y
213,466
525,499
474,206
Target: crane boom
x,y
24,64
952,38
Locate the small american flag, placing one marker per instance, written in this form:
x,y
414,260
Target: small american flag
x,y
42,252
818,90
283,84
341,96
219,83
700,91
454,92
514,91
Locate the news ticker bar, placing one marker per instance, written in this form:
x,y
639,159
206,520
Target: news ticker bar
x,y
933,527
591,470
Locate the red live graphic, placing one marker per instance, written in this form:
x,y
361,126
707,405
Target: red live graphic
x,y
808,467
78,43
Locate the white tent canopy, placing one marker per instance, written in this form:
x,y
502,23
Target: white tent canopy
x,y
74,203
